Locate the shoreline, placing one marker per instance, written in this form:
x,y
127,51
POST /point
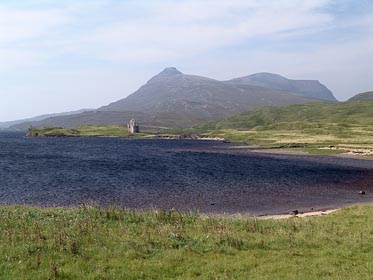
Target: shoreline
x,y
283,216
315,213
238,215
289,151
352,153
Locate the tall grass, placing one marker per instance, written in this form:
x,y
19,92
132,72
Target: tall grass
x,y
93,243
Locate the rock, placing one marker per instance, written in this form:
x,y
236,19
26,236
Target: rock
x,y
294,212
362,192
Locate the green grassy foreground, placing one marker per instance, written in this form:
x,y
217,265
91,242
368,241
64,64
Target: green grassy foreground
x,y
91,243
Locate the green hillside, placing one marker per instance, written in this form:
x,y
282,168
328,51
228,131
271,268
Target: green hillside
x,y
300,116
311,125
365,96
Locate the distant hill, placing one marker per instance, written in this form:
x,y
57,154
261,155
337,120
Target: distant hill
x,y
307,88
299,116
5,125
173,91
176,100
362,97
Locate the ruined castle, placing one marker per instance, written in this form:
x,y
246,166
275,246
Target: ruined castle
x,y
133,127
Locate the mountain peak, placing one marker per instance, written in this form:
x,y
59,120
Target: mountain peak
x,y
167,73
170,71
267,74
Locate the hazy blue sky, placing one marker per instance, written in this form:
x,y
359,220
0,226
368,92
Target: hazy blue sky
x,y
64,55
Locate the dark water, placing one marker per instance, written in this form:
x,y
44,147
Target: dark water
x,y
186,175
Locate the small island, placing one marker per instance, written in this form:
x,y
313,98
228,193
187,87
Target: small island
x,y
100,131
83,131
131,130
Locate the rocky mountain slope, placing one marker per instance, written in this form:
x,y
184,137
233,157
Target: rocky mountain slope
x,y
176,100
307,88
172,91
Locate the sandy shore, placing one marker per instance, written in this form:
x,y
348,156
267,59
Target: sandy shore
x,y
275,216
300,215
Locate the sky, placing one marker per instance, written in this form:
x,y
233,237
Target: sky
x,y
58,56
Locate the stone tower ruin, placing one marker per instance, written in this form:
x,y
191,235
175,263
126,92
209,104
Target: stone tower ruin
x,y
133,127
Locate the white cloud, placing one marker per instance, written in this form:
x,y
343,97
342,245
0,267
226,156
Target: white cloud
x,y
185,28
157,31
19,25
24,32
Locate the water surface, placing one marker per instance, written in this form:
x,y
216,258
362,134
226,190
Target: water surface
x,y
183,174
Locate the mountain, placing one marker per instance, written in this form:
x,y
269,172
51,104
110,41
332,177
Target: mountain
x,y
6,125
307,88
176,100
362,97
173,91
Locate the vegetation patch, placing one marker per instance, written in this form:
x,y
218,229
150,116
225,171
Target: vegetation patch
x,y
93,243
83,131
308,126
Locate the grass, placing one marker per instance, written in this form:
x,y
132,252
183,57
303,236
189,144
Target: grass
x,y
310,116
83,131
303,140
307,126
93,243
93,131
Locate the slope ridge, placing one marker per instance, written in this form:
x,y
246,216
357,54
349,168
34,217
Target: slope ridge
x,y
362,97
308,88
